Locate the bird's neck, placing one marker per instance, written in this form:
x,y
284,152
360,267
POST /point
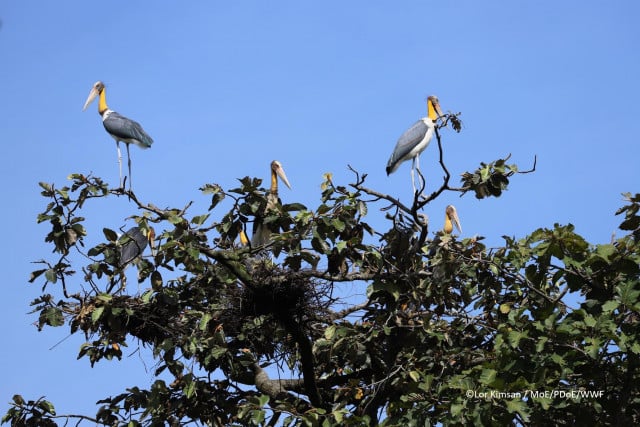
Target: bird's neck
x,y
274,183
431,111
448,226
102,102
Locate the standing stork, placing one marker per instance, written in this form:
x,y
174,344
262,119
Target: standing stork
x,y
415,140
451,219
119,127
261,231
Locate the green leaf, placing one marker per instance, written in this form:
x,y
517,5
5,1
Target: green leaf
x,y
204,321
189,389
518,406
47,407
97,313
200,219
487,376
51,275
52,316
263,400
110,235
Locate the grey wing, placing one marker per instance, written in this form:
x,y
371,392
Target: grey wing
x,y
133,244
127,130
407,142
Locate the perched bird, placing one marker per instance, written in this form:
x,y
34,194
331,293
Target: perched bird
x,y
119,127
415,140
451,219
261,231
133,243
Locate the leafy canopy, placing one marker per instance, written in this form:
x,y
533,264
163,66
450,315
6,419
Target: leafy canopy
x,y
446,331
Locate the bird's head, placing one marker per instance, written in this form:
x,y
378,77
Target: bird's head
x,y
451,219
278,171
433,108
96,90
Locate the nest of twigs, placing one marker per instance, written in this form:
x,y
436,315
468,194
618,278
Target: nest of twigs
x,y
264,310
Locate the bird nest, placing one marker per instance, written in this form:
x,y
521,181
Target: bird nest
x,y
261,311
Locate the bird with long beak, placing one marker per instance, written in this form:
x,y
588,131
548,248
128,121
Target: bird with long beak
x,y
415,140
451,219
261,231
119,127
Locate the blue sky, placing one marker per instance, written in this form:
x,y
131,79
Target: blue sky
x,y
226,87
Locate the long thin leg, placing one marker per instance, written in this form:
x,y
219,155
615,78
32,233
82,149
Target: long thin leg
x,y
119,161
413,181
129,158
417,158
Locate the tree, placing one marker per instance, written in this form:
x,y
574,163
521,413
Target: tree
x,y
449,332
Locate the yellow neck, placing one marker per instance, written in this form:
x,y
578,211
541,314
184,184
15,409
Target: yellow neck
x,y
102,103
274,182
448,226
243,238
431,111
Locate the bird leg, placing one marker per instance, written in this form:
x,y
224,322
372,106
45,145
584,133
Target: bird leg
x,y
120,162
413,181
420,174
129,163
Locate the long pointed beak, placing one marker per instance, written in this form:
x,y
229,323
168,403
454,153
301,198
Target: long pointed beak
x,y
92,95
436,106
453,216
283,176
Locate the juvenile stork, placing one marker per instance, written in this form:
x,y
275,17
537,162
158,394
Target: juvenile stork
x,y
415,140
119,127
451,219
261,231
133,243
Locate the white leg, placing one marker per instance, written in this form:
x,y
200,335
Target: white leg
x,y
413,181
417,159
129,158
119,161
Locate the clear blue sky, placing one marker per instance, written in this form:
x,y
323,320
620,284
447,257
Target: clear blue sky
x,y
225,87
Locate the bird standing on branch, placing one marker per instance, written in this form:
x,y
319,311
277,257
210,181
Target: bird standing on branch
x,y
415,140
119,127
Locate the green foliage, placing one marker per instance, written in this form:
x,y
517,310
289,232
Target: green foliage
x,y
542,328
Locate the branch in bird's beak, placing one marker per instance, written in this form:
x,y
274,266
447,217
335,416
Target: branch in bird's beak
x,y
92,95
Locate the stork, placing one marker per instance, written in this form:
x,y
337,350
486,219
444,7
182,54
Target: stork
x,y
119,127
261,231
451,219
415,140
